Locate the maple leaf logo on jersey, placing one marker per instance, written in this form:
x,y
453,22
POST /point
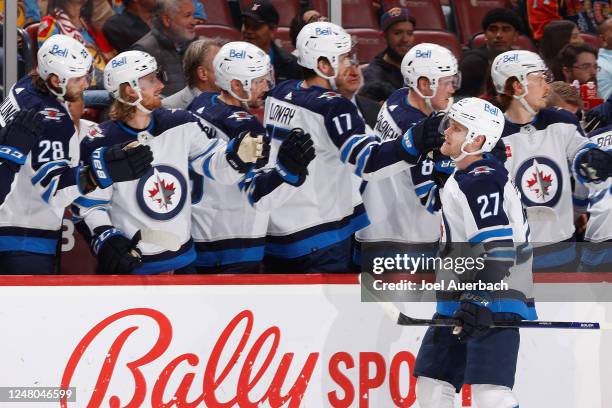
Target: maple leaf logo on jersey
x,y
329,95
481,170
162,192
52,114
240,116
540,183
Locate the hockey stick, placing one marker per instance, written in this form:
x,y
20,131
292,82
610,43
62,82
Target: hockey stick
x,y
164,239
541,213
401,319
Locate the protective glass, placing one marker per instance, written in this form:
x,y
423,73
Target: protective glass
x,y
541,77
149,81
453,80
448,122
259,82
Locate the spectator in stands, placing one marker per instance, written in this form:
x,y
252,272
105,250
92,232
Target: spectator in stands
x,y
604,60
300,20
173,30
102,11
349,81
259,23
555,36
123,30
199,72
501,28
398,27
578,63
73,18
565,96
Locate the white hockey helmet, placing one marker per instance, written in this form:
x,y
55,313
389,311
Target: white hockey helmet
x,y
517,63
431,61
322,40
244,62
128,67
480,118
65,57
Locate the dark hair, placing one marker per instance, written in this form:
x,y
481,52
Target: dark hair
x,y
308,73
296,25
555,36
502,15
569,54
86,10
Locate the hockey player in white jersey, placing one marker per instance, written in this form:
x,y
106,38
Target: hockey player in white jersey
x,y
481,208
540,142
431,74
160,199
229,234
311,231
50,177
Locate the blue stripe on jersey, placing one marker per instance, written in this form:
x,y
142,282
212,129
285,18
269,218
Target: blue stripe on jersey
x,y
50,191
356,151
12,154
318,241
580,202
89,202
206,167
489,234
527,312
46,169
45,246
424,189
212,146
346,150
362,160
506,254
177,262
555,258
229,256
595,257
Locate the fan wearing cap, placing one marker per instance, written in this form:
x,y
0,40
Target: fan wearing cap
x,y
482,216
501,27
161,198
545,147
384,71
259,24
42,151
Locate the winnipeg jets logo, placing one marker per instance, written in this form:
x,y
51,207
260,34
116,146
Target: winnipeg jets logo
x,y
240,116
481,170
52,114
329,95
94,132
540,181
161,193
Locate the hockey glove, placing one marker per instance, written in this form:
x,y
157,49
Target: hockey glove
x,y
499,151
115,164
593,120
475,317
422,138
244,150
594,166
18,137
116,253
294,156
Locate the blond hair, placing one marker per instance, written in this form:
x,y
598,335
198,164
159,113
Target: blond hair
x,y
119,110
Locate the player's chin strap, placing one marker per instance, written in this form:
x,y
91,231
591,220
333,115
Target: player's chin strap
x,y
243,101
464,154
331,79
137,103
521,99
428,99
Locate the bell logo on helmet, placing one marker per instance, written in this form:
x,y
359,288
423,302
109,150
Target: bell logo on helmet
x,y
57,50
491,109
510,58
423,54
323,31
119,62
237,54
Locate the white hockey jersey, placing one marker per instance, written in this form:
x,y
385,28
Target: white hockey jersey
x,y
393,204
35,197
482,210
327,208
161,199
538,156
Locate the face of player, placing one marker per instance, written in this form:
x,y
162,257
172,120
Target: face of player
x,y
182,24
75,88
539,89
454,136
349,79
500,36
259,87
150,89
400,37
259,34
446,89
585,68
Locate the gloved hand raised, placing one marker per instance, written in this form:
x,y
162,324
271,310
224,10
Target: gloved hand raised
x,y
244,150
119,163
422,138
19,136
294,156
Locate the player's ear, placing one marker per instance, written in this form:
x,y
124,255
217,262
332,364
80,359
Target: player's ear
x,y
424,87
517,88
325,67
54,81
237,87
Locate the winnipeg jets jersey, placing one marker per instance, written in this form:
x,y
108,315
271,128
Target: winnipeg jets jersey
x,y
161,199
538,155
393,204
32,212
481,209
327,208
226,228
599,227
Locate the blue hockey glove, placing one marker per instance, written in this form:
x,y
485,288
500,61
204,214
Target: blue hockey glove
x,y
422,138
294,156
116,163
594,165
475,317
19,136
116,253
